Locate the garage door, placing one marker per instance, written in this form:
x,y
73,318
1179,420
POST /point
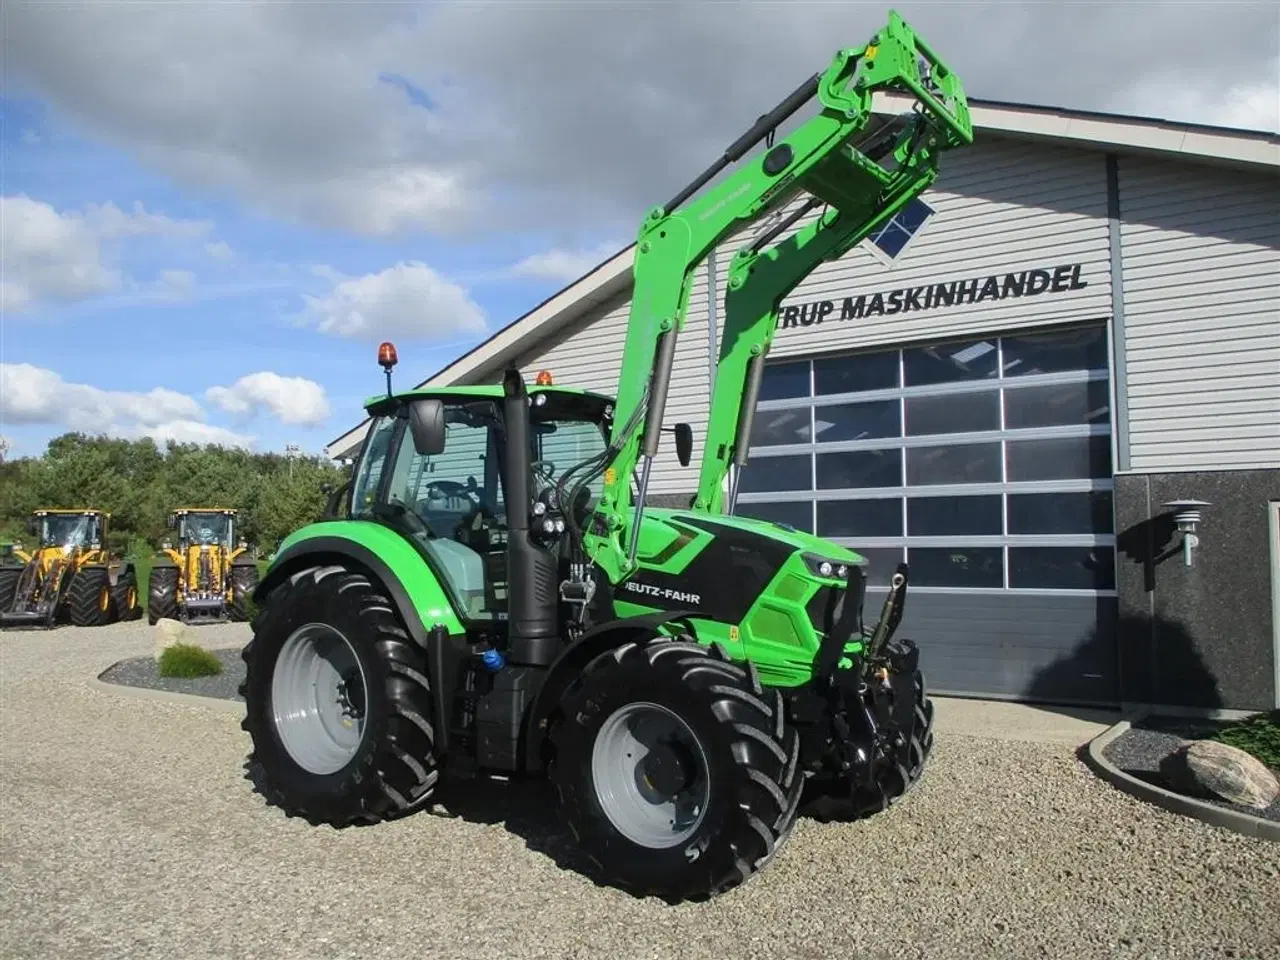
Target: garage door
x,y
986,465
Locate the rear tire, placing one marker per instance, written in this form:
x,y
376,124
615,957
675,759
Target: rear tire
x,y
740,756
244,580
162,594
89,597
9,577
830,800
381,763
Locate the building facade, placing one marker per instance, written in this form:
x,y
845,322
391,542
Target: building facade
x,y
1078,325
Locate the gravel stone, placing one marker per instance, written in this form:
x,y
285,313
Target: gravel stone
x,y
130,831
1141,750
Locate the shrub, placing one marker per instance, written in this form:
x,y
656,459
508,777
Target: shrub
x,y
1257,735
187,660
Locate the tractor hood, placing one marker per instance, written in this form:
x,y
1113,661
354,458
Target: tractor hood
x,y
663,531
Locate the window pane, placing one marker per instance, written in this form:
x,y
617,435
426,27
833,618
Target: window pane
x,y
857,372
798,514
962,463
881,563
1062,568
1055,352
892,239
954,516
956,566
771,474
949,363
1058,405
873,420
959,413
772,428
913,215
1060,513
782,381
860,518
860,468
1068,458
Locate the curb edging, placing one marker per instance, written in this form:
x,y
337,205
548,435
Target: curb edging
x,y
217,704
1233,820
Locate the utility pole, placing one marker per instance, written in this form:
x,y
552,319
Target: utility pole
x,y
291,452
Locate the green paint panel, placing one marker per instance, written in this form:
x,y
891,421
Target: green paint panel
x,y
425,592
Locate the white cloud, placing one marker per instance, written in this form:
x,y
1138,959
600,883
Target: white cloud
x,y
35,395
47,255
185,431
31,394
220,250
563,266
1252,104
406,300
597,112
292,400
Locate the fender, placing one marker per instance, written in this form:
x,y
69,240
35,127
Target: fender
x,y
574,659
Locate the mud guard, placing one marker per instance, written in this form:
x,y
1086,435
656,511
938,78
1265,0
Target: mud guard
x,y
321,550
574,658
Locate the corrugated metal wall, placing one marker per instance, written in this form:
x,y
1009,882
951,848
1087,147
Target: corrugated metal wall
x,y
588,354
1201,263
1001,208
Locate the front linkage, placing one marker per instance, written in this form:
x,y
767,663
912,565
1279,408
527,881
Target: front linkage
x,y
866,719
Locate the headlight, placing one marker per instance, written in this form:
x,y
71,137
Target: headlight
x,y
825,567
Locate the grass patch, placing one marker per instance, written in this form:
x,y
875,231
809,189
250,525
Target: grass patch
x,y
1257,735
187,661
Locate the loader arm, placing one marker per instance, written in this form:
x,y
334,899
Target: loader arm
x,y
760,277
819,158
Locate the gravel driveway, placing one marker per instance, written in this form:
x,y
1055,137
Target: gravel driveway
x,y
128,830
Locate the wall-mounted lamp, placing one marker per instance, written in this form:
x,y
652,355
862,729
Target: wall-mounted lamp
x,y
1186,514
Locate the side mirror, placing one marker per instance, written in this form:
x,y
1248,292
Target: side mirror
x,y
33,526
172,522
426,423
684,443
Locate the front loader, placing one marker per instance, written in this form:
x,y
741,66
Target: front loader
x,y
69,577
498,599
209,577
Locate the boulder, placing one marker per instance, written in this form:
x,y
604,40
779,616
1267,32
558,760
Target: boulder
x,y
1230,773
170,632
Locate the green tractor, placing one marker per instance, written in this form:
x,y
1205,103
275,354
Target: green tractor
x,y
497,598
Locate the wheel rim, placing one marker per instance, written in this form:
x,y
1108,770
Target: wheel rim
x,y
318,698
104,599
650,775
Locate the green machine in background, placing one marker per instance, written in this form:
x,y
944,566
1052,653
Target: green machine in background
x,y
498,599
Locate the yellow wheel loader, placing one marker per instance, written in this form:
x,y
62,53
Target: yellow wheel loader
x,y
209,576
69,576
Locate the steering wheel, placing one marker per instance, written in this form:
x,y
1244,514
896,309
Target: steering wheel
x,y
543,469
452,488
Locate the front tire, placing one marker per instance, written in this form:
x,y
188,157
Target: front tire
x,y
730,761
338,704
89,597
124,596
244,580
162,594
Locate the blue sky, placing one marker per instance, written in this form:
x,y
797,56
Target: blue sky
x,y
212,213
239,314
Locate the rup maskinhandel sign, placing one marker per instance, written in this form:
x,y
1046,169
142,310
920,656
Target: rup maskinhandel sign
x,y
934,296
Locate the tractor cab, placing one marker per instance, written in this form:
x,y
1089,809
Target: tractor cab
x,y
204,528
435,467
68,530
